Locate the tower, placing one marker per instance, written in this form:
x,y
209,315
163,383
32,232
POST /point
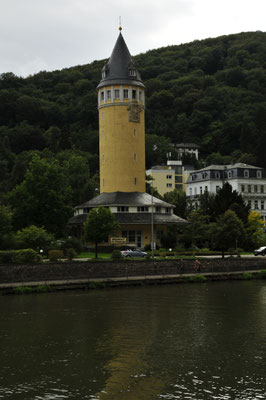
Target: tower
x,y
121,104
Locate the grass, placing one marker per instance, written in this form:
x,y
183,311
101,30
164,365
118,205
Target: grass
x,y
32,289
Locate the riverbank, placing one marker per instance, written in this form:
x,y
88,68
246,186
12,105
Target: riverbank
x,y
97,274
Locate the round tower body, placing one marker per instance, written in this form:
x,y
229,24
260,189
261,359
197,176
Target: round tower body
x,y
122,138
121,104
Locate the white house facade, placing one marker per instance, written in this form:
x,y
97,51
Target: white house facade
x,y
248,180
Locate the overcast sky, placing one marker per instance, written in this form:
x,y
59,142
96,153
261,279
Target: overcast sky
x,y
37,35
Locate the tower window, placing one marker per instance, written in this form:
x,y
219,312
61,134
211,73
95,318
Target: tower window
x,y
135,132
117,94
102,134
103,158
103,182
108,94
132,72
134,94
125,93
102,96
135,181
135,156
140,96
102,115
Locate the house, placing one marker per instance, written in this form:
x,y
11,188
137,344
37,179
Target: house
x,y
248,180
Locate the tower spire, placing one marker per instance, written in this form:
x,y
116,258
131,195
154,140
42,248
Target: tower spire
x,y
120,24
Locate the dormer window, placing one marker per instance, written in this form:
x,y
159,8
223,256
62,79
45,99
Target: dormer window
x,y
259,175
104,74
132,72
246,173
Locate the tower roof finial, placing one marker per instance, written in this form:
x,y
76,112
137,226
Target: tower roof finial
x,y
120,24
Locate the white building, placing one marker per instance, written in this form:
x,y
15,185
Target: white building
x,y
247,180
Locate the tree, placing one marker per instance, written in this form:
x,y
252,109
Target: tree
x,y
254,229
5,226
99,224
34,237
228,231
179,199
43,198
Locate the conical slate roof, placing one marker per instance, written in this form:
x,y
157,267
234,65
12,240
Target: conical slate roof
x,y
120,68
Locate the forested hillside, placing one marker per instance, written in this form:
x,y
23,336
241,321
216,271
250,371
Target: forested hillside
x,y
210,92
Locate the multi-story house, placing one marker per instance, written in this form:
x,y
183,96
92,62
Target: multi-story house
x,y
246,179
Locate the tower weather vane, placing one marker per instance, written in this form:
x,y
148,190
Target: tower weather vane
x,y
120,24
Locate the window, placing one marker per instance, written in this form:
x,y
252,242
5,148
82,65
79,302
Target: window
x,y
132,72
256,205
262,189
168,210
134,94
168,176
206,188
178,178
259,174
230,174
102,96
133,237
143,209
108,94
135,181
262,205
135,156
249,188
249,203
195,190
122,209
117,94
102,134
200,189
178,186
217,175
217,189
140,96
246,173
190,191
169,185
102,115
135,132
158,209
103,158
255,189
242,188
103,182
125,93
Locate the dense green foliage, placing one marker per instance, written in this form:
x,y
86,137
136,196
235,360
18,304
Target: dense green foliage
x,y
210,92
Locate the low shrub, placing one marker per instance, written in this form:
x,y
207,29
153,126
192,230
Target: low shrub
x,y
197,278
116,255
55,255
23,256
27,256
246,276
70,253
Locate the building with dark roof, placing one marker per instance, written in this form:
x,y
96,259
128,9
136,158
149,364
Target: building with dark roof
x,y
121,105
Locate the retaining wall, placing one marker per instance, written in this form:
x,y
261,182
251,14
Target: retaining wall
x,y
125,268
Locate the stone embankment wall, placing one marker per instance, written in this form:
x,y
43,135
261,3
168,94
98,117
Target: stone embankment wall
x,y
124,268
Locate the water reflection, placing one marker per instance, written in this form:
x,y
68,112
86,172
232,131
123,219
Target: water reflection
x,y
198,341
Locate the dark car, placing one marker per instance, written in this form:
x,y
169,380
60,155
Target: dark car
x,y
260,252
133,253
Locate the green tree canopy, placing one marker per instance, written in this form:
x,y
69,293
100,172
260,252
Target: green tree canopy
x,y
34,237
99,224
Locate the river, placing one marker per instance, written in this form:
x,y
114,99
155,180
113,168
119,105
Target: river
x,y
186,341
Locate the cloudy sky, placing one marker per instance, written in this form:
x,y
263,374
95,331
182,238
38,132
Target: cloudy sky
x,y
37,35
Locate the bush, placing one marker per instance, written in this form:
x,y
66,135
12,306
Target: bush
x,y
71,243
55,255
27,256
19,256
116,255
262,274
70,253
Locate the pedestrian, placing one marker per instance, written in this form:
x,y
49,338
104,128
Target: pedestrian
x,y
197,266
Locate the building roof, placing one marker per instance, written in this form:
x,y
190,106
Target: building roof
x,y
143,218
187,145
124,198
226,167
119,65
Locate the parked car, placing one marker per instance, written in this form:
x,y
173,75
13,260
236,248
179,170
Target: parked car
x,y
260,252
133,253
